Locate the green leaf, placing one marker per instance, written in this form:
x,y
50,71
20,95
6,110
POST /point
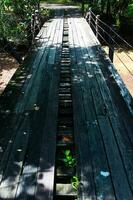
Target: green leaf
x,y
67,152
69,158
65,160
75,182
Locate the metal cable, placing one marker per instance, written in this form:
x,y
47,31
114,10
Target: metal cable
x,y
121,38
114,41
93,25
114,52
93,19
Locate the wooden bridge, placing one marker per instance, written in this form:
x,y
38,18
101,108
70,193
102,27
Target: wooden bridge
x,y
66,98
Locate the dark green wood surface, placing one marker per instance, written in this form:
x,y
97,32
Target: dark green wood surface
x,y
29,121
103,125
106,146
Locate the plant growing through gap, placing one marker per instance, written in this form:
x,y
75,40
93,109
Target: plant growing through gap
x,y
69,160
75,182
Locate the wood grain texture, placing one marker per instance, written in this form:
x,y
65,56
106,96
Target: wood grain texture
x,y
101,117
28,116
31,126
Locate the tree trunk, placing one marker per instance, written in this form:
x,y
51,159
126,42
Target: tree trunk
x,y
10,49
82,7
108,8
102,5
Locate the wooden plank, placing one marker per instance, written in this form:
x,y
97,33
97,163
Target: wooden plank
x,y
14,164
87,188
99,109
119,131
15,92
116,165
28,179
30,171
97,152
14,88
123,113
99,159
63,189
110,69
8,133
38,82
124,143
27,187
45,178
6,148
47,159
37,67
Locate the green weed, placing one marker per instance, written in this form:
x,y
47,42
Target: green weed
x,y
69,160
75,182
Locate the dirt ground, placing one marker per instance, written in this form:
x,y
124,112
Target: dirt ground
x,y
57,6
8,66
123,62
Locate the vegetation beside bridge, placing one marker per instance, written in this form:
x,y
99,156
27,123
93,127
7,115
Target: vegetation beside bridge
x,y
16,24
16,17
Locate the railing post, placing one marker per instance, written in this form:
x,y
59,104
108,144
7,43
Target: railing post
x,y
89,19
111,43
37,21
83,7
32,27
35,24
96,23
87,16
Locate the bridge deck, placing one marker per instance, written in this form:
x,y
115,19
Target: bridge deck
x,y
102,122
104,143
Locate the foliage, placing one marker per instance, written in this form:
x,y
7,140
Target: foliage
x,y
113,11
111,6
69,160
58,1
75,182
129,11
15,19
45,13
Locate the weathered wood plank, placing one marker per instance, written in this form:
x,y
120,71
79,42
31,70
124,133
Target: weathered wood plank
x,y
14,88
116,165
7,118
122,139
32,183
8,133
27,182
42,72
24,178
37,69
100,109
97,151
87,188
45,176
106,106
14,163
27,159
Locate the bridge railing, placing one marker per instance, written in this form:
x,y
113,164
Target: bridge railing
x,y
108,35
